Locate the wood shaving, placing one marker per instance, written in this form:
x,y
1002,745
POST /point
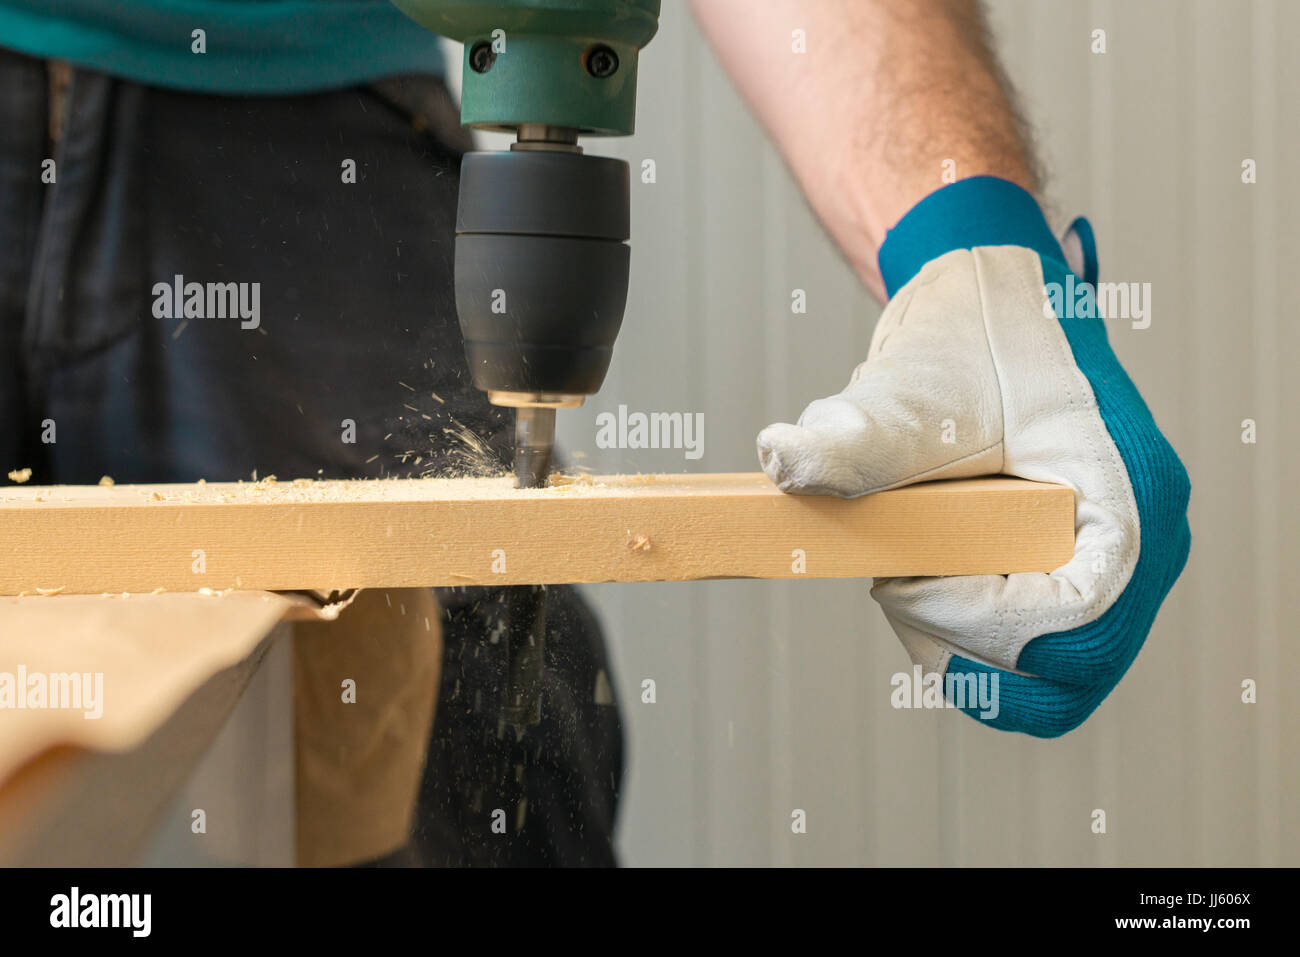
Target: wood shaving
x,y
560,480
20,475
106,480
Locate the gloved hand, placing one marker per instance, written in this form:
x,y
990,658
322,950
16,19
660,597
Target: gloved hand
x,y
971,372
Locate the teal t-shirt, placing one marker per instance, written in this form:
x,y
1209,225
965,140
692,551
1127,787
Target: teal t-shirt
x,y
251,46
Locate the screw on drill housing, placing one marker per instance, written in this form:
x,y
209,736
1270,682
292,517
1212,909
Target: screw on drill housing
x,y
602,62
482,56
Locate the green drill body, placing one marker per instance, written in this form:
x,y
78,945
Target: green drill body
x,y
544,76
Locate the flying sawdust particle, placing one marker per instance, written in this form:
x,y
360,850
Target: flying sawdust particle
x,y
469,455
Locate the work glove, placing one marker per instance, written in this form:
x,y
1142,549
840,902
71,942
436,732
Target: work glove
x,y
991,358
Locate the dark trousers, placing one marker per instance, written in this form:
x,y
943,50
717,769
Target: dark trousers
x,y
353,368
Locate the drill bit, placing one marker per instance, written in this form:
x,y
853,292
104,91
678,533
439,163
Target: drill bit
x,y
526,605
525,644
534,442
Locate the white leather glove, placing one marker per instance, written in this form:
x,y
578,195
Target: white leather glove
x,y
970,372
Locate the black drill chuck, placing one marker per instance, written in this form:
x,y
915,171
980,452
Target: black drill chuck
x,y
541,269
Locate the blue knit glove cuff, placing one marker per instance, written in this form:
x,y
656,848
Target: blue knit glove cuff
x,y
980,211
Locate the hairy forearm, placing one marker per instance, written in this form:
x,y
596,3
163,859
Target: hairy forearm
x,y
888,97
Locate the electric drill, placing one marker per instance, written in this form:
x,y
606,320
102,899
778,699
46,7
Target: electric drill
x,y
541,230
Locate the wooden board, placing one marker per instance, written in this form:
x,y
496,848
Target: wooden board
x,y
442,532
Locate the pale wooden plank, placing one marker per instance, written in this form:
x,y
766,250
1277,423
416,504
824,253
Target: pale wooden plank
x,y
444,532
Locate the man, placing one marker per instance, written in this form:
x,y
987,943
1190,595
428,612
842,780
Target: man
x,y
230,165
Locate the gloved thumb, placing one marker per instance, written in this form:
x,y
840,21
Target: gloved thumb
x,y
896,423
